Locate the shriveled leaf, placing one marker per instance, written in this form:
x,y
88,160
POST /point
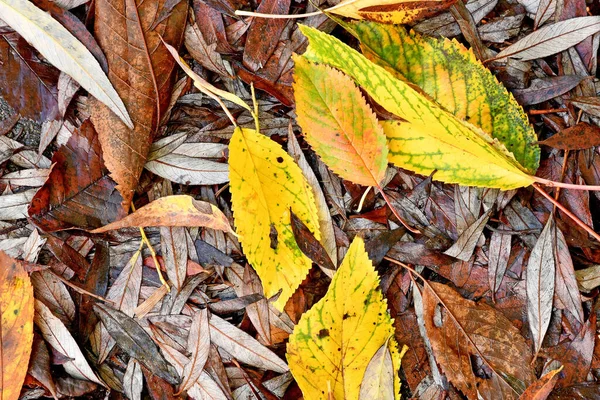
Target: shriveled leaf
x,y
378,382
177,210
578,137
265,185
63,51
456,80
16,329
79,193
134,340
336,339
540,389
540,283
59,337
198,346
390,11
141,69
545,89
462,331
552,39
431,139
339,124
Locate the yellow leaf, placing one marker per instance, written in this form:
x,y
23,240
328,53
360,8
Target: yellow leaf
x,y
390,11
265,185
333,343
16,329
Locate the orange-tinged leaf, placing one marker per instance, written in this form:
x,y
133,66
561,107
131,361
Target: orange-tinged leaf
x,y
339,124
334,342
16,329
178,210
265,185
540,389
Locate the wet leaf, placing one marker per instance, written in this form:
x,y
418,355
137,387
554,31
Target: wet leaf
x,y
265,185
540,389
578,137
342,332
16,330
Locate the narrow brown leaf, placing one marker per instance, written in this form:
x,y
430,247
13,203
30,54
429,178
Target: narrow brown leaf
x,y
498,254
545,89
175,253
578,137
198,345
309,245
540,389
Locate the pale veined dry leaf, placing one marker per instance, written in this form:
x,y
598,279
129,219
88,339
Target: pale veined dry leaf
x,y
188,170
178,210
244,347
565,287
378,382
389,11
16,329
431,139
63,51
26,177
445,24
540,283
464,333
588,278
449,73
498,254
53,292
336,339
465,244
198,345
133,380
203,52
174,250
59,337
338,123
265,185
14,206
590,105
552,39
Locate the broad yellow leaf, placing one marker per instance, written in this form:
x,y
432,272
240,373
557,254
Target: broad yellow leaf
x,y
452,76
338,123
334,342
390,11
265,185
440,141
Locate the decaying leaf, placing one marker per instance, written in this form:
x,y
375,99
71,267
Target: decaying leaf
x,y
265,185
540,389
16,329
578,137
390,11
336,339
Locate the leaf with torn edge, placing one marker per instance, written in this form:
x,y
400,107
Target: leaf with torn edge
x,y
390,11
451,75
265,185
177,210
63,51
16,329
335,340
431,139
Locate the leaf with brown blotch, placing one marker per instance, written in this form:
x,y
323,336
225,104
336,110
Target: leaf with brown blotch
x,y
78,193
177,210
198,345
141,70
540,389
578,137
462,331
16,327
540,284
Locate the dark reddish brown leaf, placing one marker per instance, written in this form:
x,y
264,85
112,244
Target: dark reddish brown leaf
x,y
309,245
580,136
141,70
8,123
581,391
158,389
546,89
68,256
210,23
78,193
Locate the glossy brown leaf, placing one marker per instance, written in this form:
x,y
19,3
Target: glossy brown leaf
x,y
462,331
309,245
79,193
578,137
141,70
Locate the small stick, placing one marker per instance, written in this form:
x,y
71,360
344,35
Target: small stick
x,y
547,111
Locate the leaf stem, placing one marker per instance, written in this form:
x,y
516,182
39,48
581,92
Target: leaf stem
x,y
564,185
395,212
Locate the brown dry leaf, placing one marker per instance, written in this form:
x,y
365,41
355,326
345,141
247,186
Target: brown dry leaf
x,y
590,105
16,327
52,291
545,89
498,254
464,333
206,54
540,389
141,70
578,137
175,253
178,210
566,289
198,345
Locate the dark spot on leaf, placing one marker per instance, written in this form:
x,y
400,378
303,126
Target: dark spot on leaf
x,y
273,237
279,159
323,333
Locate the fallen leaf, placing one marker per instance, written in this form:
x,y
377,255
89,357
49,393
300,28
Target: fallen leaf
x,y
465,244
198,347
186,169
590,105
265,185
578,137
133,380
565,287
498,254
552,39
203,52
336,339
54,294
177,210
545,89
16,330
63,51
39,366
540,389
588,278
378,382
390,11
14,206
309,245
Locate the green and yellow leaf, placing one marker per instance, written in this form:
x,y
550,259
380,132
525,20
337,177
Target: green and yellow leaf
x,y
427,124
265,184
390,11
333,343
452,76
338,123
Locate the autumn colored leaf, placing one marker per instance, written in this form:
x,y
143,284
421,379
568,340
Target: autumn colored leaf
x,y
540,389
339,124
171,211
431,139
141,70
78,193
464,333
265,185
451,75
378,382
390,11
16,330
578,137
336,339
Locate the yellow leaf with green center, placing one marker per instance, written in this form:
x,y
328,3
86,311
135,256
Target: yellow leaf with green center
x,y
390,11
332,345
338,123
265,184
449,73
496,166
